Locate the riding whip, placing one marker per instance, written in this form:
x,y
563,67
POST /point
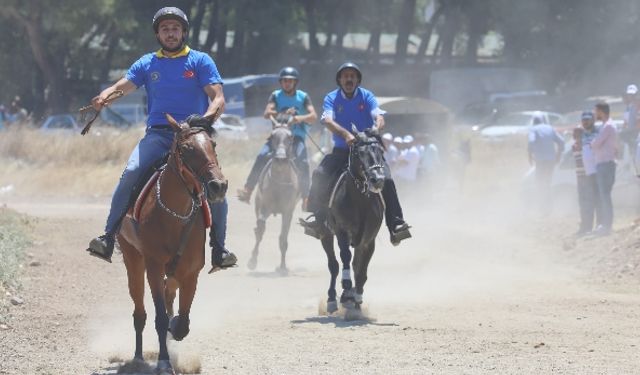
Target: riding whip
x,y
86,109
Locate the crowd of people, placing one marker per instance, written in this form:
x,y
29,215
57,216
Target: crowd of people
x,y
412,159
597,146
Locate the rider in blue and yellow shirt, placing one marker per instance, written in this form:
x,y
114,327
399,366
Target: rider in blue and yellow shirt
x,y
350,105
181,82
288,99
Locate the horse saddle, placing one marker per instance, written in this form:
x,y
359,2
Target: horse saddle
x,y
137,207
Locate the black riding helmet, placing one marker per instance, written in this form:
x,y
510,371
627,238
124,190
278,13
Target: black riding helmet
x,y
346,66
170,13
289,72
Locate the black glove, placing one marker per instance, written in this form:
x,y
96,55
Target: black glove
x,y
197,121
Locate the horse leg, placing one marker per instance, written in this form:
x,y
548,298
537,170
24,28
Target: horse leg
x,y
170,287
284,244
346,299
155,278
261,225
134,262
360,264
334,267
179,325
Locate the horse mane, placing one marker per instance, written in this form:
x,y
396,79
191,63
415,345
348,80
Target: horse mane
x,y
198,126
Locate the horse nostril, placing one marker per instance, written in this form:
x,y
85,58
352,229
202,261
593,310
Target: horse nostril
x,y
217,187
214,186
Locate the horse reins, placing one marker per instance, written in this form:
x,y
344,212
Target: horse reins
x,y
362,186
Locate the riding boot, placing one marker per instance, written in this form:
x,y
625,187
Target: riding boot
x,y
261,161
398,228
221,258
102,247
315,225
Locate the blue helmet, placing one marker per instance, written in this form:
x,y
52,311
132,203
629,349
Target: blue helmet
x,y
170,13
289,72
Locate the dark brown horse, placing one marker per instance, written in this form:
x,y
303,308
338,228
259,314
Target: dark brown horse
x,y
278,190
168,239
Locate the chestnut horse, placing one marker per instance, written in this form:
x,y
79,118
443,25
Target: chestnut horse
x,y
168,239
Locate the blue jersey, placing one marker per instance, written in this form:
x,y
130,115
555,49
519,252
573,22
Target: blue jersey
x,y
300,100
175,84
357,111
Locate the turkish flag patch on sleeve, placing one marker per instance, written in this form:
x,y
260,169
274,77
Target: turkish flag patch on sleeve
x,y
188,74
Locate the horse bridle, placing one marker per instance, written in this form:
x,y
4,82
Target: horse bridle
x,y
362,186
177,167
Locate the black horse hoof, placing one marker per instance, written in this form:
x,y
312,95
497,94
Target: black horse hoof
x,y
179,328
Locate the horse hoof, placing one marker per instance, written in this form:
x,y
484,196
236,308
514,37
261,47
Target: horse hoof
x,y
164,368
332,306
348,304
179,329
253,262
353,314
282,270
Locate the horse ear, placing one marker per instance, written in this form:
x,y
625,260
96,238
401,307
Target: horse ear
x,y
354,130
174,124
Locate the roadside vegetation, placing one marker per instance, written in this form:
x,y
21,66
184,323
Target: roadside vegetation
x,y
14,239
54,165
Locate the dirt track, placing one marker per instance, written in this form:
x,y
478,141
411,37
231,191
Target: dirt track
x,y
470,294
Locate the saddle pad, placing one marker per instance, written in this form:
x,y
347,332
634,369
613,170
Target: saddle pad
x,y
204,205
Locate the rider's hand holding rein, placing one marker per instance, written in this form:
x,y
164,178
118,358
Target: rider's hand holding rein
x,y
379,124
123,85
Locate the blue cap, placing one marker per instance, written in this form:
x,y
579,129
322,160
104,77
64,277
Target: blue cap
x,y
587,115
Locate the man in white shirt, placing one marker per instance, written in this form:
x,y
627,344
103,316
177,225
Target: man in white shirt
x,y
407,164
391,151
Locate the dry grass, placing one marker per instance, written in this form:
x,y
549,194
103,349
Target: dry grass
x,y
72,165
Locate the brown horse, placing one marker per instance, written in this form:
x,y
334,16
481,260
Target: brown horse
x,y
168,239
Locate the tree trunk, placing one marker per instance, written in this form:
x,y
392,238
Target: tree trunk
x,y
404,30
426,38
57,99
112,45
312,28
212,30
196,24
381,9
477,15
449,32
221,37
237,49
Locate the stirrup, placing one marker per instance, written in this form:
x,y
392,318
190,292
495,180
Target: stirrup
x,y
230,261
399,233
312,228
97,249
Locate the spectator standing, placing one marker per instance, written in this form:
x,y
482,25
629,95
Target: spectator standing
x,y
390,150
588,199
429,159
630,133
545,149
407,164
604,147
